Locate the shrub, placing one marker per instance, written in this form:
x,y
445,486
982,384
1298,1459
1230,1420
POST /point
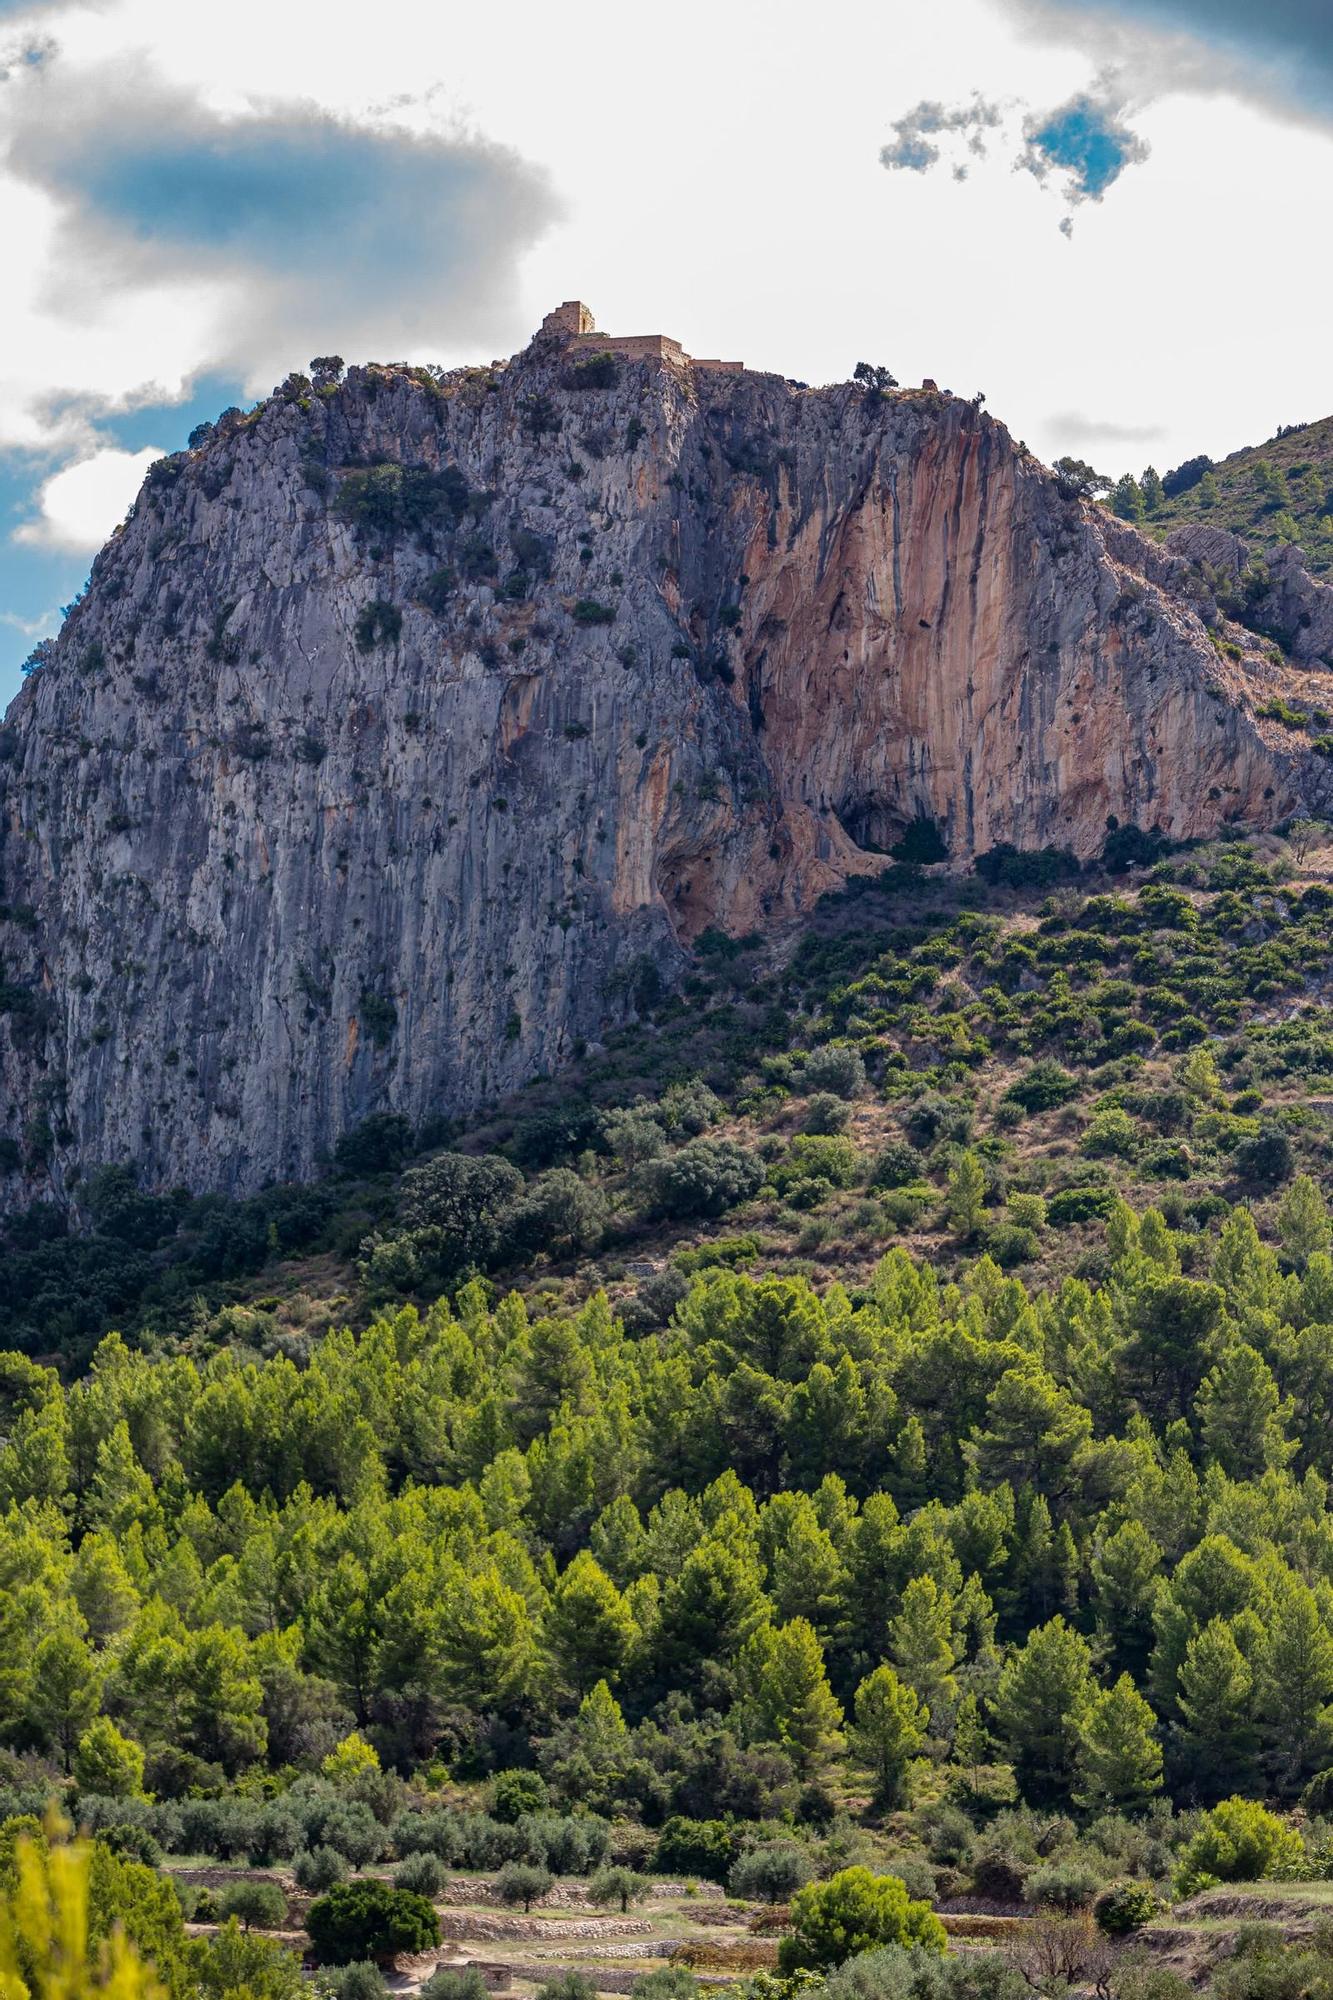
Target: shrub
x,y
599,371
771,1873
378,623
835,1068
1130,847
361,1980
260,1905
706,1177
669,1982
855,1911
825,1115
1267,1159
1045,1086
1027,1211
998,1874
1080,1204
559,1211
921,843
378,1145
1009,1245
319,1868
465,1984
894,1973
589,612
1238,1841
132,1843
1065,1886
1035,869
435,590
523,1882
567,1986
1111,1135
421,1872
384,501
370,1920
515,1793
1123,1906
830,1159
706,1847
898,1166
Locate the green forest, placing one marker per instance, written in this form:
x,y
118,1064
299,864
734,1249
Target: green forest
x,y
858,1445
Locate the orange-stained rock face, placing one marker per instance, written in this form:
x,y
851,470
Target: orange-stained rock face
x,y
682,650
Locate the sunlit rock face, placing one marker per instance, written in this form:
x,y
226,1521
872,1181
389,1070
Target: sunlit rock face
x,y
410,727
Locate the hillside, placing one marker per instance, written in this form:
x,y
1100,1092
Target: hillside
x,y
414,725
766,1425
1037,1017
1271,494
775,1446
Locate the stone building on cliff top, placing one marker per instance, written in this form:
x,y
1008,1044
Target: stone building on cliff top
x,y
573,321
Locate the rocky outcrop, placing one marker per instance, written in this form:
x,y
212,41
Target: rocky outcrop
x,y
413,723
1270,592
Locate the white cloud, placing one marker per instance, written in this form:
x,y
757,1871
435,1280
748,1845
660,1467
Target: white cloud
x,y
749,219
41,627
80,505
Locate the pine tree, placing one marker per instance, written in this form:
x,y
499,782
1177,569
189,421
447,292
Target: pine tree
x,y
1210,493
1241,1415
971,1738
1154,497
65,1690
1119,1756
967,1194
1046,1566
787,1698
1302,1220
1126,1577
1040,1703
1199,1075
921,1646
1294,1681
1127,498
1216,1739
590,1629
889,1730
1157,1243
1033,1429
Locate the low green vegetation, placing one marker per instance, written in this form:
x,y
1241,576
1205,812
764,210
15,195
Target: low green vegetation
x,y
862,1441
1277,492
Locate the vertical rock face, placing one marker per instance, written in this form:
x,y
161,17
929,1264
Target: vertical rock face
x,y
412,723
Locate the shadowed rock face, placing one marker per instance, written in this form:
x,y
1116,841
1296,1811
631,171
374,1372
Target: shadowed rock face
x,y
312,816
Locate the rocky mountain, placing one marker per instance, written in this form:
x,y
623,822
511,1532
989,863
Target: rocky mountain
x,y
413,724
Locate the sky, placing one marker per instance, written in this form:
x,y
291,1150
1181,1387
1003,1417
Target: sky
x,y
1108,215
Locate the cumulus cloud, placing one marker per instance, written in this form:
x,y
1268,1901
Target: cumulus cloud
x,y
1085,144
79,506
913,147
313,231
1278,52
1079,148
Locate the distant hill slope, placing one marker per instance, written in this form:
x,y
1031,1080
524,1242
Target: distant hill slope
x,y
1280,491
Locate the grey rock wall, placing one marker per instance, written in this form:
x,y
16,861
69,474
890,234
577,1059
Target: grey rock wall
x,y
309,817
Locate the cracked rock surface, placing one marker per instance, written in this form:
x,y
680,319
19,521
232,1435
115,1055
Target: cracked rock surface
x,y
410,725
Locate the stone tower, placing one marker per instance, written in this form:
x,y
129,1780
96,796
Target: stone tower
x,y
572,317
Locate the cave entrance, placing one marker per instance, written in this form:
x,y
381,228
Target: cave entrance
x,y
880,828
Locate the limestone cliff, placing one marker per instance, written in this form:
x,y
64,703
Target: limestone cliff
x,y
410,724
